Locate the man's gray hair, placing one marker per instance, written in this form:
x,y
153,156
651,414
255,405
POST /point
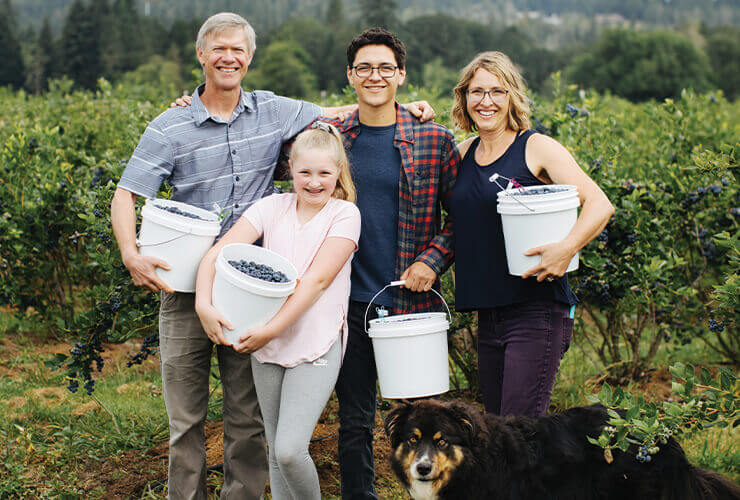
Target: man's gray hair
x,y
223,21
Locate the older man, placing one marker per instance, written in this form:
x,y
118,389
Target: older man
x,y
221,150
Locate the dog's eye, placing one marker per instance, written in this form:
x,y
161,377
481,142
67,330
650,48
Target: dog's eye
x,y
413,439
442,444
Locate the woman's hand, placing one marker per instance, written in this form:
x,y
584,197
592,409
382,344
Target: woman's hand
x,y
254,339
213,323
554,260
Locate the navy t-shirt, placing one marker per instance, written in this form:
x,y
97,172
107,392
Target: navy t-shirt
x,y
376,168
482,278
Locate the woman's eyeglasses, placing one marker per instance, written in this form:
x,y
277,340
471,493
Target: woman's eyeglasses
x,y
497,95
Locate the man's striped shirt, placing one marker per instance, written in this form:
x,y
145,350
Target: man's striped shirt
x,y
211,162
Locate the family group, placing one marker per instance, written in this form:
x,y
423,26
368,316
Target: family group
x,y
371,182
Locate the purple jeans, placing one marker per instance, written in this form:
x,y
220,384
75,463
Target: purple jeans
x,y
519,351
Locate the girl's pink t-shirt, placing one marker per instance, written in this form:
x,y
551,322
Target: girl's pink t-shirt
x,y
317,329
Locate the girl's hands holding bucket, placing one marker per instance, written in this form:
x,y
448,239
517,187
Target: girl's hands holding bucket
x,y
554,260
254,339
213,324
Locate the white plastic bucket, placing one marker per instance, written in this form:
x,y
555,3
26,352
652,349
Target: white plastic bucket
x,y
247,302
532,220
180,241
411,353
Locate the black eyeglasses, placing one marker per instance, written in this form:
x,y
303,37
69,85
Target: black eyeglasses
x,y
384,70
497,95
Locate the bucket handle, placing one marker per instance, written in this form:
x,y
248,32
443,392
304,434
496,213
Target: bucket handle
x,y
494,178
140,244
399,283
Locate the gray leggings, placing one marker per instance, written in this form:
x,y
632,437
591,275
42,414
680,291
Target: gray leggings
x,y
291,400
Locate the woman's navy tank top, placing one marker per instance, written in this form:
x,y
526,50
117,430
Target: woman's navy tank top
x,y
482,278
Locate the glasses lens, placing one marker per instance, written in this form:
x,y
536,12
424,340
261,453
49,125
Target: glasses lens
x,y
363,70
387,71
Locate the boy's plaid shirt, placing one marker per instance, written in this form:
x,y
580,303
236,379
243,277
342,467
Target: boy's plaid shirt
x,y
430,162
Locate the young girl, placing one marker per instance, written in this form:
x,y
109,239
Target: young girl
x,y
296,356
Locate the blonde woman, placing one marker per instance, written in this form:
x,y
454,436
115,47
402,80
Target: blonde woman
x,y
525,323
297,355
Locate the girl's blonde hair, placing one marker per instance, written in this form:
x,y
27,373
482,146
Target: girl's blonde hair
x,y
496,63
326,137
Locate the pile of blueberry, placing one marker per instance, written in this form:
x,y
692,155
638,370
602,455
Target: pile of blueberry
x,y
177,211
259,271
540,190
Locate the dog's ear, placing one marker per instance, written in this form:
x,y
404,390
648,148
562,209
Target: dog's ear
x,y
396,418
468,417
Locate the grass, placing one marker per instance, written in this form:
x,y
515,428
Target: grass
x,y
51,440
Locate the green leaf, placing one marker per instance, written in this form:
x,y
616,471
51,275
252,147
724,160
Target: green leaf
x,y
605,395
706,377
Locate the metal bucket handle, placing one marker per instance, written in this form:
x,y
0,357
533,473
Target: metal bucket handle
x,y
399,283
140,244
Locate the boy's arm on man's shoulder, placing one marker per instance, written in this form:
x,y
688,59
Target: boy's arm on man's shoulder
x,y
439,253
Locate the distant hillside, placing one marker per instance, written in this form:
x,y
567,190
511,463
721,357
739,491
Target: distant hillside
x,y
268,14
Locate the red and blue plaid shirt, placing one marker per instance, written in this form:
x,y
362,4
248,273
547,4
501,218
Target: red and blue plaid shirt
x,y
429,161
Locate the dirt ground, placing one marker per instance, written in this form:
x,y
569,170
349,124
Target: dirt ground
x,y
132,473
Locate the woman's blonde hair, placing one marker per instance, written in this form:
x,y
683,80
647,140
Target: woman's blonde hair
x,y
326,137
496,63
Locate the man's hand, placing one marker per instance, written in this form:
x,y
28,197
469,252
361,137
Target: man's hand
x,y
254,339
213,323
419,277
183,101
143,272
421,110
554,260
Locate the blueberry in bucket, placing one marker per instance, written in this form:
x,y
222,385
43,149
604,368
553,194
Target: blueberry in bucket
x,y
259,271
177,211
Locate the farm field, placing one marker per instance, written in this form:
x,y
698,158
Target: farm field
x,y
114,444
79,376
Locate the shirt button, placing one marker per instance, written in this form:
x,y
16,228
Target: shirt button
x,y
236,205
236,178
233,151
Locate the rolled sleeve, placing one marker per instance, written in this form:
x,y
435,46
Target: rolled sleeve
x,y
439,254
294,115
151,163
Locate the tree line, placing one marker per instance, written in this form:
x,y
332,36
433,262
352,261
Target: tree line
x,y
114,40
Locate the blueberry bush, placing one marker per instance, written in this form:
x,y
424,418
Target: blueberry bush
x,y
663,272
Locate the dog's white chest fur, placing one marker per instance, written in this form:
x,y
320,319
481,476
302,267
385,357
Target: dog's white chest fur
x,y
422,490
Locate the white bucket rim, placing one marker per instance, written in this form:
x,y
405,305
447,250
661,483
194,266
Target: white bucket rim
x,y
409,325
567,190
538,207
252,284
210,226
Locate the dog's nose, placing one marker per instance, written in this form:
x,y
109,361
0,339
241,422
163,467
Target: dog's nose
x,y
423,469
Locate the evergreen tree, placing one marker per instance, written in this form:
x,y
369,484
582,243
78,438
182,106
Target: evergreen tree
x,y
335,13
125,42
12,70
379,13
45,60
81,43
723,49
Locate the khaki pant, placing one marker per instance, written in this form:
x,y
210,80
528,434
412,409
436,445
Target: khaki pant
x,y
185,353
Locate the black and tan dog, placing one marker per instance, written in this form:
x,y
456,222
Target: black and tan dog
x,y
451,451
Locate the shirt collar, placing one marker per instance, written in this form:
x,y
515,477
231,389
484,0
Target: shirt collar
x,y
404,124
201,114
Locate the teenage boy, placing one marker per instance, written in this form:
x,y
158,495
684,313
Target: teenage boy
x,y
404,171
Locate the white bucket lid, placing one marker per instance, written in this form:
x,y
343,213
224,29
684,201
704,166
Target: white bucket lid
x,y
208,225
238,251
408,325
513,202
